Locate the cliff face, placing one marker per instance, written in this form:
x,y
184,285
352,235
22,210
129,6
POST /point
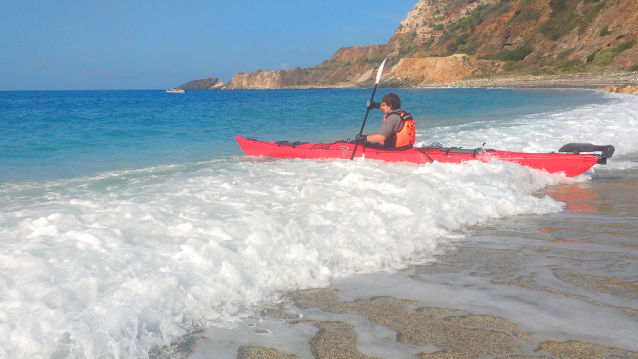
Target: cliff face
x,y
421,72
317,77
557,35
258,80
441,41
360,53
204,84
407,72
428,16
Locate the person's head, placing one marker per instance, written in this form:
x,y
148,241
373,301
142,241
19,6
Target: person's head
x,y
392,101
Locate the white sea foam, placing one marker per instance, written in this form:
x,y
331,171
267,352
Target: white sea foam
x,y
116,264
614,123
125,261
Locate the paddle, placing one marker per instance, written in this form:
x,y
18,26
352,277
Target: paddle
x,y
356,144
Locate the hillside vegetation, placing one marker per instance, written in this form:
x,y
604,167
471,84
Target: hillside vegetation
x,y
530,36
480,39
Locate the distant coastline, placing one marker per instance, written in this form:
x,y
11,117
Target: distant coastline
x,y
583,80
483,43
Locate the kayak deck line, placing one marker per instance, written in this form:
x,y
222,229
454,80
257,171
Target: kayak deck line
x,y
570,159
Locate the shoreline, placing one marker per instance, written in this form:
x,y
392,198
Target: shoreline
x,y
593,81
581,80
559,285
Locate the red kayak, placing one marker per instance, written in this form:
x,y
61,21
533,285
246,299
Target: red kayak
x,y
571,160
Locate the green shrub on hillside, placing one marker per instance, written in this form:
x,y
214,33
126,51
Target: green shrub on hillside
x,y
593,13
528,14
556,27
512,55
603,58
407,50
607,56
481,13
366,61
445,38
473,43
605,31
624,46
452,47
511,66
465,24
557,6
633,68
570,66
566,53
589,17
567,15
503,9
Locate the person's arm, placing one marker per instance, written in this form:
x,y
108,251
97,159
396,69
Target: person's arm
x,y
376,138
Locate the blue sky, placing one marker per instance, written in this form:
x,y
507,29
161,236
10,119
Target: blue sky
x,y
83,45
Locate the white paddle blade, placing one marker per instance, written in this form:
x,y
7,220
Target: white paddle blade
x,y
380,71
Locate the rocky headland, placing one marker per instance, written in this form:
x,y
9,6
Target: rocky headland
x,y
484,43
204,84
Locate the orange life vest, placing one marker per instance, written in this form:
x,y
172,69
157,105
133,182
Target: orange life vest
x,y
406,136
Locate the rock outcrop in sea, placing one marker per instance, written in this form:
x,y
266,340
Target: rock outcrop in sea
x,y
619,89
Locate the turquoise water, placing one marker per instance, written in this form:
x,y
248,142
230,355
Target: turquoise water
x,y
49,135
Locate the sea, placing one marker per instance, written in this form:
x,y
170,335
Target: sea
x,y
130,219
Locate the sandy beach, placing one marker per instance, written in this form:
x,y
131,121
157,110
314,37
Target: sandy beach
x,y
555,286
584,80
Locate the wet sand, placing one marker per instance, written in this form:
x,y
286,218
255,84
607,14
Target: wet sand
x,y
563,285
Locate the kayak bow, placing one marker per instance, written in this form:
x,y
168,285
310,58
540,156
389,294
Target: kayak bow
x,y
570,160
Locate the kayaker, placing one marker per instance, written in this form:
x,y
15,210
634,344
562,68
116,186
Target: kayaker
x,y
397,129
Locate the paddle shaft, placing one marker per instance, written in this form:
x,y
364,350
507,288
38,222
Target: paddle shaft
x,y
356,144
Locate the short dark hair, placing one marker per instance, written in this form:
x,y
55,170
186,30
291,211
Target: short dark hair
x,y
392,100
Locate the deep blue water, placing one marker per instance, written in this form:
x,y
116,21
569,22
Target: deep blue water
x,y
62,134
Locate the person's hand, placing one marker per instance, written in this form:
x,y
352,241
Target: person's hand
x,y
361,138
371,104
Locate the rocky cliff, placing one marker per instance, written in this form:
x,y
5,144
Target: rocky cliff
x,y
204,84
407,72
443,41
360,53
